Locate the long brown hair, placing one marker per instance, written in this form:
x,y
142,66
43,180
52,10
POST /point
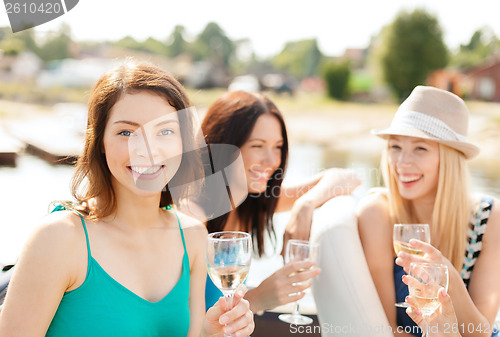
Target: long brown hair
x,y
92,177
230,120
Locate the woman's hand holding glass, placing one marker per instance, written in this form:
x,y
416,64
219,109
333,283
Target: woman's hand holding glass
x,y
402,234
228,261
298,250
425,281
280,288
430,255
221,320
442,319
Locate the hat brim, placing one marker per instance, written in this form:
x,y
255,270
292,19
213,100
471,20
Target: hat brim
x,y
468,149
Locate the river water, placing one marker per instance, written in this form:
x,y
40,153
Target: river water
x,y
27,190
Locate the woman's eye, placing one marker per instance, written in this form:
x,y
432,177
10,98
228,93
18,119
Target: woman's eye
x,y
125,133
421,148
256,146
395,147
166,132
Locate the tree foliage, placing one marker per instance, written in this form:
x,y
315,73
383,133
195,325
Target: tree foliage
x,y
482,44
412,47
213,45
176,43
336,76
12,46
299,58
150,45
58,45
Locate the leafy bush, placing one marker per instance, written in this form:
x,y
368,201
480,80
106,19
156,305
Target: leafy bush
x,y
336,76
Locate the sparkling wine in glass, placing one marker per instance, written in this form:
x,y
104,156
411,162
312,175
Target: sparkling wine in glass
x,y
402,234
299,250
228,261
425,280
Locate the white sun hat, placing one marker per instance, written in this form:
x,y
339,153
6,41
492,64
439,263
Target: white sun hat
x,y
434,114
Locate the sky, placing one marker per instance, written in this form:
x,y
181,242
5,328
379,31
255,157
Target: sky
x,y
269,24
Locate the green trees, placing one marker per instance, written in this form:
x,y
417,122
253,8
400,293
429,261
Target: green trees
x,y
482,44
412,46
213,44
336,76
177,45
58,45
299,58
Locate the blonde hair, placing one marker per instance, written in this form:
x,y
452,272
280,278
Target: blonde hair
x,y
452,206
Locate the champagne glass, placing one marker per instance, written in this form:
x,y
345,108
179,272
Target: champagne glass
x,y
228,261
299,250
425,280
402,234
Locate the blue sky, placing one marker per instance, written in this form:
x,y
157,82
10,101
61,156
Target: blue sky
x,y
269,24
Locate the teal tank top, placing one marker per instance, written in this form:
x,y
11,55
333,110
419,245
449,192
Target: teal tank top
x,y
102,307
212,293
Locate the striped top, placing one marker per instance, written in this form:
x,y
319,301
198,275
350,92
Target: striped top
x,y
475,232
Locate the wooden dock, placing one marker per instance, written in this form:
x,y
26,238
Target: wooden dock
x,y
49,139
9,149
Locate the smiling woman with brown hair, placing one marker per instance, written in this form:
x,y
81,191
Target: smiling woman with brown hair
x,y
120,261
253,123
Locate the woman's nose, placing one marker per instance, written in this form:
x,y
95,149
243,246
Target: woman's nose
x,y
143,146
405,159
272,157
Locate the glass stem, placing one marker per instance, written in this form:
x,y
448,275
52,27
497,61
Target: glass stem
x,y
229,300
296,310
228,296
426,323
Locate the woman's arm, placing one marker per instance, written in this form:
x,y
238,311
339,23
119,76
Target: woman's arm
x,y
318,189
196,236
375,231
52,261
484,286
303,199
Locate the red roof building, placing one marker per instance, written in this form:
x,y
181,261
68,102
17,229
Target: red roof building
x,y
485,81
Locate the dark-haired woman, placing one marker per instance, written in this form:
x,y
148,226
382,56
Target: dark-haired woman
x,y
253,123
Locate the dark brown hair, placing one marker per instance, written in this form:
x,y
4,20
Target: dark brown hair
x,y
92,177
230,120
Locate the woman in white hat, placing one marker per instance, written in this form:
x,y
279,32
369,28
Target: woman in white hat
x,y
425,172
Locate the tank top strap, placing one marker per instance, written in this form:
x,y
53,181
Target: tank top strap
x,y
182,232
60,207
169,207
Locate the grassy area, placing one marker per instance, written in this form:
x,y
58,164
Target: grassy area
x,y
33,94
302,103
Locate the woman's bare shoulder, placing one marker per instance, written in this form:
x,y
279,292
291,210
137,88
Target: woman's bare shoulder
x,y
60,228
374,203
58,240
493,225
192,227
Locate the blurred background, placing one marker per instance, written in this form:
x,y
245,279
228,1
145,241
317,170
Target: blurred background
x,y
335,69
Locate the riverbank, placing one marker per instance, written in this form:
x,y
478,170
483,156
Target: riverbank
x,y
340,129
